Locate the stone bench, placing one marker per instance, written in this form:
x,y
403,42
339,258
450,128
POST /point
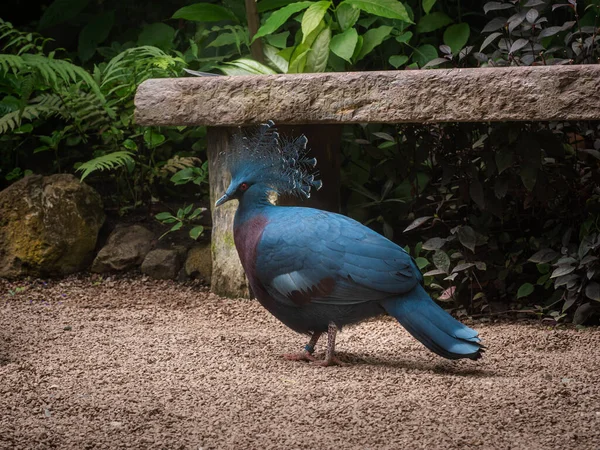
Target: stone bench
x,y
318,104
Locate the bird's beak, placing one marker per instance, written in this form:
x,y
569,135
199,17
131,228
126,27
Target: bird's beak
x,y
222,200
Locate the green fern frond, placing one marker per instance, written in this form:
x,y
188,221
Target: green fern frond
x,y
137,64
12,120
110,161
178,163
20,41
54,72
11,63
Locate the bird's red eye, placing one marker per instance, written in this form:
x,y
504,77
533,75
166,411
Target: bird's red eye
x,y
243,187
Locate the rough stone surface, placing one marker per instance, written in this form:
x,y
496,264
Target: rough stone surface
x,y
48,226
198,263
441,95
162,264
141,364
125,249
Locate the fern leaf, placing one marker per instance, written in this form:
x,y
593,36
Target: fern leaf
x,y
12,63
106,162
13,119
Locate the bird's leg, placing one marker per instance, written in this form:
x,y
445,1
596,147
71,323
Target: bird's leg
x,y
306,354
330,358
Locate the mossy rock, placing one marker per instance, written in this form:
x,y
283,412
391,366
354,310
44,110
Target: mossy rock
x,y
49,226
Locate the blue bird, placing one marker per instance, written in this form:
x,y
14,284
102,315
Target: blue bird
x,y
317,271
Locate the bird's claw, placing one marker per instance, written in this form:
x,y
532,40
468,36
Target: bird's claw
x,y
300,356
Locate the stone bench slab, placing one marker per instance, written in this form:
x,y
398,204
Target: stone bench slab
x,y
424,96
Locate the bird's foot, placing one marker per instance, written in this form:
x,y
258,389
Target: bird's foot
x,y
300,356
332,361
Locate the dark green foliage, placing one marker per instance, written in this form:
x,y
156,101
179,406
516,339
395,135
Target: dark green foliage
x,y
482,201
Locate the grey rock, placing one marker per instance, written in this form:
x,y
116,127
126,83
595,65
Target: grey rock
x,y
48,226
198,263
162,264
125,249
533,93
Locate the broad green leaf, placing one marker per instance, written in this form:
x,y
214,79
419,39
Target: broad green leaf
x,y
343,44
456,36
435,62
359,44
488,40
177,226
441,260
279,17
278,40
196,232
545,255
130,144
434,272
427,5
316,60
529,176
245,66
432,22
204,12
313,17
310,39
424,54
496,6
61,11
467,237
434,243
347,15
463,266
372,38
224,39
404,37
421,262
163,216
561,271
398,60
153,138
391,9
274,59
270,5
196,213
417,223
158,35
286,53
592,291
504,159
525,290
93,34
298,59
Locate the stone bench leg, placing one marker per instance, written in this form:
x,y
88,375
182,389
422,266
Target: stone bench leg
x,y
228,279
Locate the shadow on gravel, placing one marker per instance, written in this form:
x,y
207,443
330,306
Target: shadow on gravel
x,y
444,368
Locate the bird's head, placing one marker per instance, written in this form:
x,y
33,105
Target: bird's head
x,y
264,161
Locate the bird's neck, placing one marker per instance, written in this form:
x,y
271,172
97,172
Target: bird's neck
x,y
254,201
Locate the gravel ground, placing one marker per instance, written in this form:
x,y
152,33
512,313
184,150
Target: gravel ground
x,y
135,363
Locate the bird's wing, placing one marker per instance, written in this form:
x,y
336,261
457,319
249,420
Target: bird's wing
x,y
311,256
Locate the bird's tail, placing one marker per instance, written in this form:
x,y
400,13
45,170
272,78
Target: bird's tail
x,y
434,327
